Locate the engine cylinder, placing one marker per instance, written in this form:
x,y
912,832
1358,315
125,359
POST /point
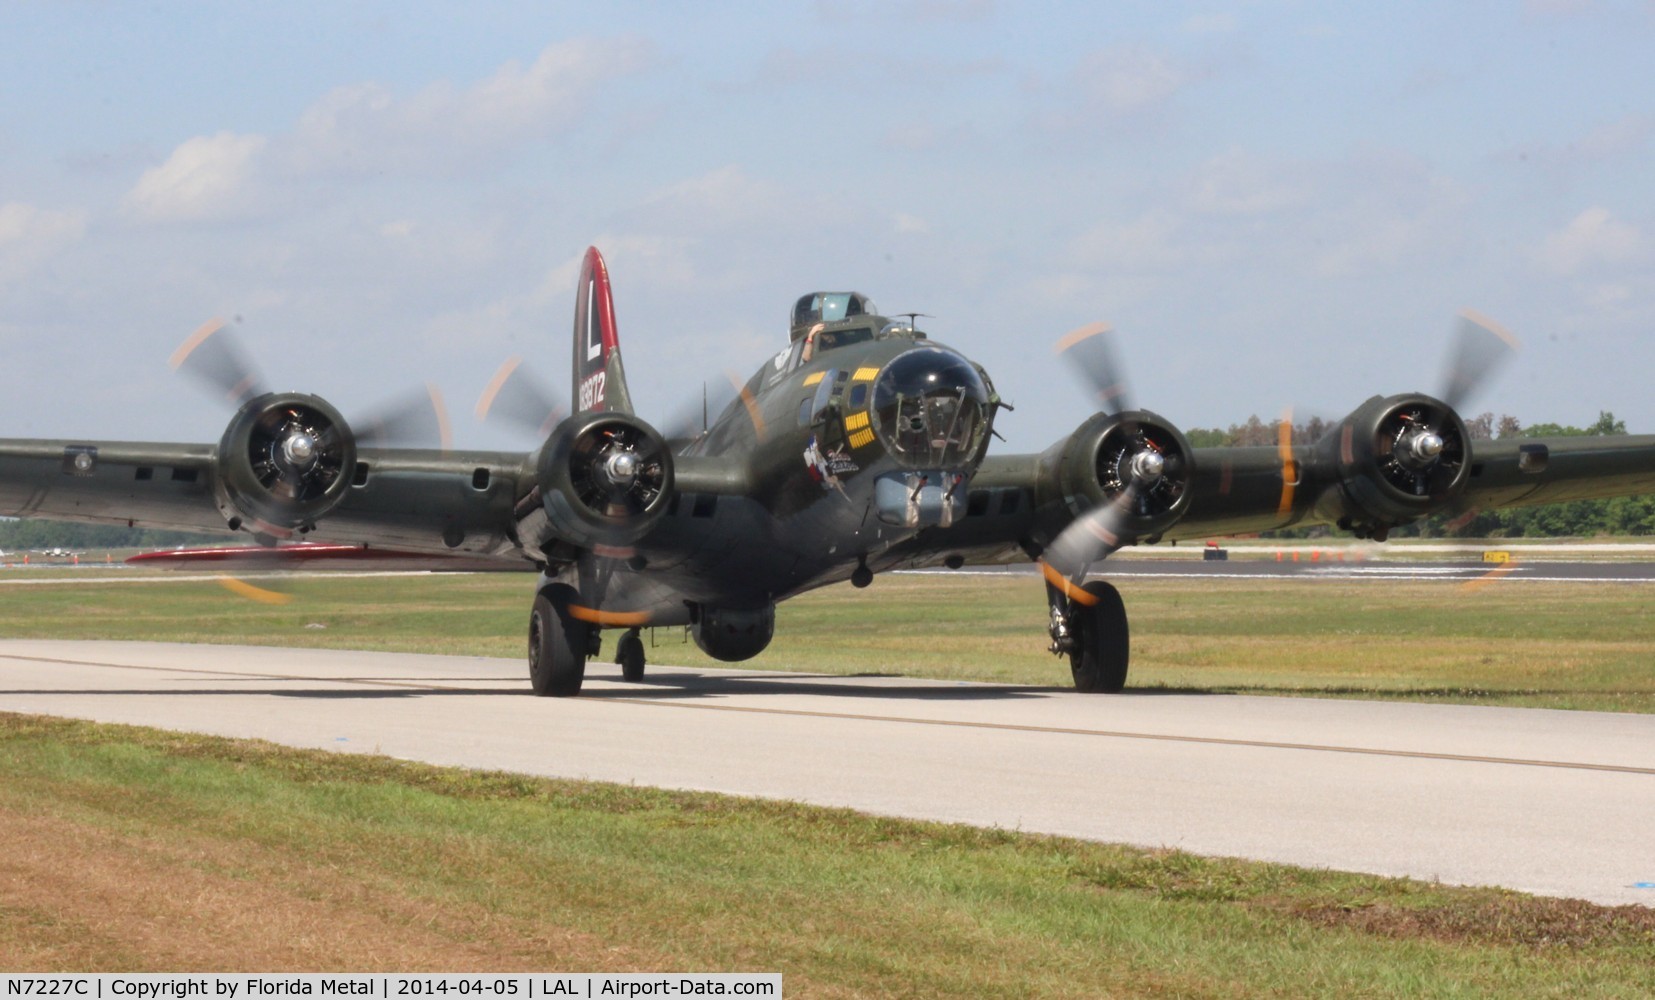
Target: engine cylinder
x,y
1111,455
605,479
286,460
1399,458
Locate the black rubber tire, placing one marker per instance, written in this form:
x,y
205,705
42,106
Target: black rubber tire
x,y
629,653
1103,648
557,644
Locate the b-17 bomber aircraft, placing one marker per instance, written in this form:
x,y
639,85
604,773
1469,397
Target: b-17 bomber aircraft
x,y
862,447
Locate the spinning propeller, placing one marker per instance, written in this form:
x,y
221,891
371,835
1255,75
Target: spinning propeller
x,y
515,397
1481,347
1403,458
286,459
1141,465
215,357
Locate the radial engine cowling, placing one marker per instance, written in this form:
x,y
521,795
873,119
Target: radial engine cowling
x,y
1399,459
605,479
285,462
1112,455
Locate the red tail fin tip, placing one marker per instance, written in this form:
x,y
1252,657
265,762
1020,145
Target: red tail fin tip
x,y
599,383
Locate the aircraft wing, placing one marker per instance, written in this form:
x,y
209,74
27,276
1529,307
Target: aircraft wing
x,y
1019,504
418,500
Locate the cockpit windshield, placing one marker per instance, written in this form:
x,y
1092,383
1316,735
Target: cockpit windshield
x,y
830,307
931,406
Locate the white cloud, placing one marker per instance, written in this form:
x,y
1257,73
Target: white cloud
x,y
1129,80
717,203
30,234
365,127
1237,183
1629,134
1592,239
906,223
1380,242
1148,243
1215,24
206,177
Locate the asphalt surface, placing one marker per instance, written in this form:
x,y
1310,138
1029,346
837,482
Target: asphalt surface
x,y
1553,802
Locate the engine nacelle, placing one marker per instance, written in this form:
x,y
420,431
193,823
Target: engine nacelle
x,y
1399,458
284,463
731,636
1111,454
605,479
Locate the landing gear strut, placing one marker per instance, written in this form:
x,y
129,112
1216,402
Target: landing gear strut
x,y
629,653
1093,635
558,643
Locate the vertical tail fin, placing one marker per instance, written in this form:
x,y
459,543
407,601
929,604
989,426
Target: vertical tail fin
x,y
599,380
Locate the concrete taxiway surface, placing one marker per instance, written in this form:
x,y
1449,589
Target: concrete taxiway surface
x,y
1560,803
1373,571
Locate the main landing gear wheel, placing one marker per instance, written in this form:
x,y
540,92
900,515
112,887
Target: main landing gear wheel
x,y
1102,644
557,643
629,653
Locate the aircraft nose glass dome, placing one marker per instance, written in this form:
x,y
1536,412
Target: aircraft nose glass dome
x,y
930,404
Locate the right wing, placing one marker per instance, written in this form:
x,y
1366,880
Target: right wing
x,y
414,499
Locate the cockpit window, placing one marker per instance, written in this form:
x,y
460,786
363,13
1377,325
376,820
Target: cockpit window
x,y
831,307
931,406
827,340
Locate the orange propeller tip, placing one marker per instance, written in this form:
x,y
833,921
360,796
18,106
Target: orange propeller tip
x,y
1074,337
253,592
486,400
1067,586
1493,327
445,431
623,619
194,341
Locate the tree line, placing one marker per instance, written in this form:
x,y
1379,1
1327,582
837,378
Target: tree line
x,y
23,535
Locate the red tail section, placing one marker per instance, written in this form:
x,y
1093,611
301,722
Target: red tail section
x,y
599,382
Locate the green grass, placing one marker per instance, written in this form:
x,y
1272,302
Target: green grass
x,y
519,872
1578,646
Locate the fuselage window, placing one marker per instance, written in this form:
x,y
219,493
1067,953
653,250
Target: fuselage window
x,y
858,395
827,340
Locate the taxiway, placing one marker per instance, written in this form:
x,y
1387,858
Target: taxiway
x,y
1553,802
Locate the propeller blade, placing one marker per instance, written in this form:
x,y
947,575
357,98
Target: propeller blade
x,y
416,419
1092,537
1092,353
695,417
1289,465
213,356
1481,346
514,396
597,572
254,591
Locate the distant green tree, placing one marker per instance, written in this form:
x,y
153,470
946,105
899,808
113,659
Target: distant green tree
x,y
39,534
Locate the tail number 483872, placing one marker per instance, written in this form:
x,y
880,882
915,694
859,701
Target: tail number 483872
x,y
591,391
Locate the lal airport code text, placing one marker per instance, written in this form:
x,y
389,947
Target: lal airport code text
x,y
391,986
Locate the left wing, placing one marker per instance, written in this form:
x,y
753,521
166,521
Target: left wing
x,y
1353,478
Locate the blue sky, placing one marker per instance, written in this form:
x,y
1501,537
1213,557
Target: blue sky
x,y
1276,203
